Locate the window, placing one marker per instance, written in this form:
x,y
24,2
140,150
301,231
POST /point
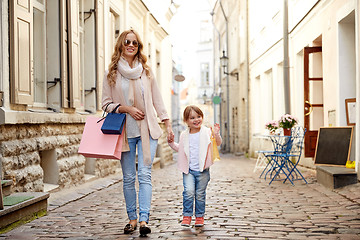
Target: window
x,y
205,81
205,31
39,51
56,69
268,89
88,69
115,29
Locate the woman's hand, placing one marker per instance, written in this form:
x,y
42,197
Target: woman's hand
x,y
170,136
170,133
136,113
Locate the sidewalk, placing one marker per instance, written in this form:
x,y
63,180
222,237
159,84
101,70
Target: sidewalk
x,y
239,206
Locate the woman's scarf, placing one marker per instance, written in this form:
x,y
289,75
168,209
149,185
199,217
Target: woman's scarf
x,y
136,99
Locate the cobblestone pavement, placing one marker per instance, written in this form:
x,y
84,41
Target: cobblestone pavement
x,y
239,206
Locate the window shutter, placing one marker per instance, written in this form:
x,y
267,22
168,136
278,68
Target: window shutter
x,y
74,53
63,55
100,51
21,52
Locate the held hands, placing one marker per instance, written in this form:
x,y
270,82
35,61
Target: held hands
x,y
170,133
170,136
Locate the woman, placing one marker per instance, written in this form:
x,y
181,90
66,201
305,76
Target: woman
x,y
129,83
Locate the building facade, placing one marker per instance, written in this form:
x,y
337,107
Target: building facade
x,y
230,42
323,48
191,34
324,68
51,80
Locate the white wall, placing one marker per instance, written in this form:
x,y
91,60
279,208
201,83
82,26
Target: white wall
x,y
347,61
328,25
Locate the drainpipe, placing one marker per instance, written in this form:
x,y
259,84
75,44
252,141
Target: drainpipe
x,y
227,142
286,60
218,33
1,100
247,76
96,14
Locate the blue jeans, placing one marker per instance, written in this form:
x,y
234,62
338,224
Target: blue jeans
x,y
195,184
144,177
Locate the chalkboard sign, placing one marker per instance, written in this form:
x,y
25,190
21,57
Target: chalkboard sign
x,y
333,145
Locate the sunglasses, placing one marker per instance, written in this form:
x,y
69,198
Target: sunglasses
x,y
127,42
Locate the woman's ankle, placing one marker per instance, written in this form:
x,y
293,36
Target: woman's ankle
x,y
133,222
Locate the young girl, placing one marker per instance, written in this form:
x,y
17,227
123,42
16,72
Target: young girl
x,y
194,160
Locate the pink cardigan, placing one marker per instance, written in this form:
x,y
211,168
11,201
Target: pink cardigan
x,y
205,150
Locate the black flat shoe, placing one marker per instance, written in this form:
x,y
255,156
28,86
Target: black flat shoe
x,y
129,228
144,230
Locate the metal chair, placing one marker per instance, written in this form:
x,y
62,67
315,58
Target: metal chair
x,y
286,149
280,146
295,154
262,160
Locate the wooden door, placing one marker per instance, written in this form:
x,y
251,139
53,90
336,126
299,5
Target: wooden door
x,y
309,106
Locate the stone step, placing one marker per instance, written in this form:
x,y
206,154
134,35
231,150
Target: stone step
x,y
89,177
156,163
50,187
25,211
6,187
335,177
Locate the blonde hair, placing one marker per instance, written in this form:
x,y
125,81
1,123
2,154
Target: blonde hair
x,y
188,109
118,50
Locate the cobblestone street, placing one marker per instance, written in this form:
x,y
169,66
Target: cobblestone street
x,y
239,206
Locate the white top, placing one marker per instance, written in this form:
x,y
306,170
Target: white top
x,y
194,141
132,128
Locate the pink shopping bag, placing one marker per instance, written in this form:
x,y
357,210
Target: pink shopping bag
x,y
95,144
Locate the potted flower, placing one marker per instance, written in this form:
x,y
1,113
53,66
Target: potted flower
x,y
286,122
272,126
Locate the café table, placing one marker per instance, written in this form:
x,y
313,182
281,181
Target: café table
x,y
282,161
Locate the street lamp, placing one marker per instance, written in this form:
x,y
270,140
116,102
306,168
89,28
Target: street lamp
x,y
224,61
204,96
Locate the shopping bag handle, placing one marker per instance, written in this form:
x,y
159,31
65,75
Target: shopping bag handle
x,y
113,111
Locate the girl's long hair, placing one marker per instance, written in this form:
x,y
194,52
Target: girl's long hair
x,y
118,50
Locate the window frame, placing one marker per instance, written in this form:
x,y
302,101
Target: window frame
x,y
41,7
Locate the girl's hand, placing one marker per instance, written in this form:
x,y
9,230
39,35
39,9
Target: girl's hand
x,y
136,113
216,129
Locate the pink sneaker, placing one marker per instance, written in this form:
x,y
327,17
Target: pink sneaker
x,y
199,222
186,221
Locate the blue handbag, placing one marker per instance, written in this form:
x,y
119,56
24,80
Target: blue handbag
x,y
114,122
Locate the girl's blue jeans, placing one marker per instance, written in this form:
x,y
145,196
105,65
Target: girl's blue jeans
x,y
144,177
195,184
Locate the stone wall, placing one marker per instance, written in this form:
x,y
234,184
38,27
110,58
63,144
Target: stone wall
x,y
34,154
26,147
